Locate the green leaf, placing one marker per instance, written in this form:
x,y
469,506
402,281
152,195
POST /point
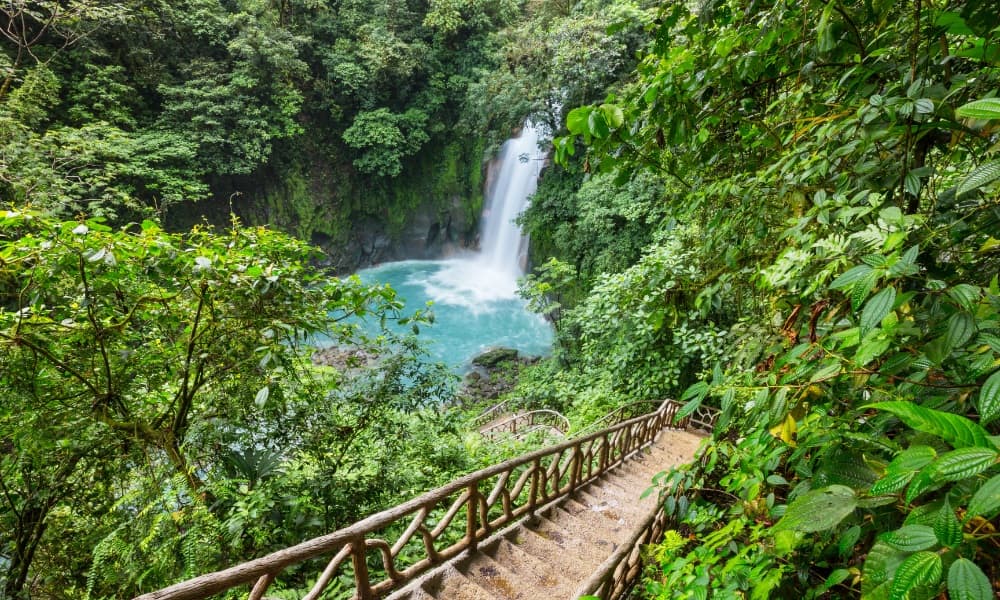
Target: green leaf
x,y
901,470
982,175
963,463
987,108
954,429
966,581
597,125
576,120
613,115
965,295
923,481
910,538
961,328
877,308
695,395
818,510
985,501
850,276
261,398
862,288
919,570
988,404
882,561
947,527
911,183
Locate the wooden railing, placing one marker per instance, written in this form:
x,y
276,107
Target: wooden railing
x,y
489,414
440,524
523,423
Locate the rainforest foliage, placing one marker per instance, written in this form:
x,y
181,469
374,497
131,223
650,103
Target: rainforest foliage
x,y
786,211
790,212
311,116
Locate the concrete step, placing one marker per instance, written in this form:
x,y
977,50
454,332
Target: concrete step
x,y
503,581
543,548
517,560
450,584
600,499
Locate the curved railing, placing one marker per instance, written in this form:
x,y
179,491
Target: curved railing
x,y
407,540
522,423
489,414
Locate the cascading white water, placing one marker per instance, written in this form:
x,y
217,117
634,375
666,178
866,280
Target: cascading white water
x,y
475,297
502,247
492,274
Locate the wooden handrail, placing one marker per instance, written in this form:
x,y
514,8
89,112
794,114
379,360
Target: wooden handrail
x,y
517,487
517,423
489,414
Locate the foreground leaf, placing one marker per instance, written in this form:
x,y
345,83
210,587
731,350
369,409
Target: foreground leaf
x,y
966,581
954,429
920,569
818,510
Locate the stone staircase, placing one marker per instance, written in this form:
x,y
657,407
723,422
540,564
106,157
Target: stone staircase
x,y
552,553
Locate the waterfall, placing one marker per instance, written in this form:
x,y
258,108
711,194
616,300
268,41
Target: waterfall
x,y
502,244
491,275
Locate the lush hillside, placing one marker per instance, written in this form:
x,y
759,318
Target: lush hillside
x,y
791,212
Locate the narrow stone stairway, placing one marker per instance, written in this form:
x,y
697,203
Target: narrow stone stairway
x,y
551,554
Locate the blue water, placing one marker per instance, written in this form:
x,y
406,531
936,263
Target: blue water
x,y
475,308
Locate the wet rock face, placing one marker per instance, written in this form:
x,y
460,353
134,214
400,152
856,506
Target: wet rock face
x,y
494,373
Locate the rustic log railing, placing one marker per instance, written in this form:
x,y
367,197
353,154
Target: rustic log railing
x,y
523,423
440,524
489,414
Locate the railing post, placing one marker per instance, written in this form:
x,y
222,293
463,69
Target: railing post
x,y
362,585
626,443
604,454
533,491
470,521
574,469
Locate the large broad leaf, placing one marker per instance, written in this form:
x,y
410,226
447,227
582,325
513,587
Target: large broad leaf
x,y
982,175
954,429
818,510
919,570
966,581
849,277
961,328
576,120
881,562
985,501
877,308
910,538
987,108
964,463
947,527
989,399
902,469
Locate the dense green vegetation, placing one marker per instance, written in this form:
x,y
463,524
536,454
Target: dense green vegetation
x,y
790,212
787,211
313,117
